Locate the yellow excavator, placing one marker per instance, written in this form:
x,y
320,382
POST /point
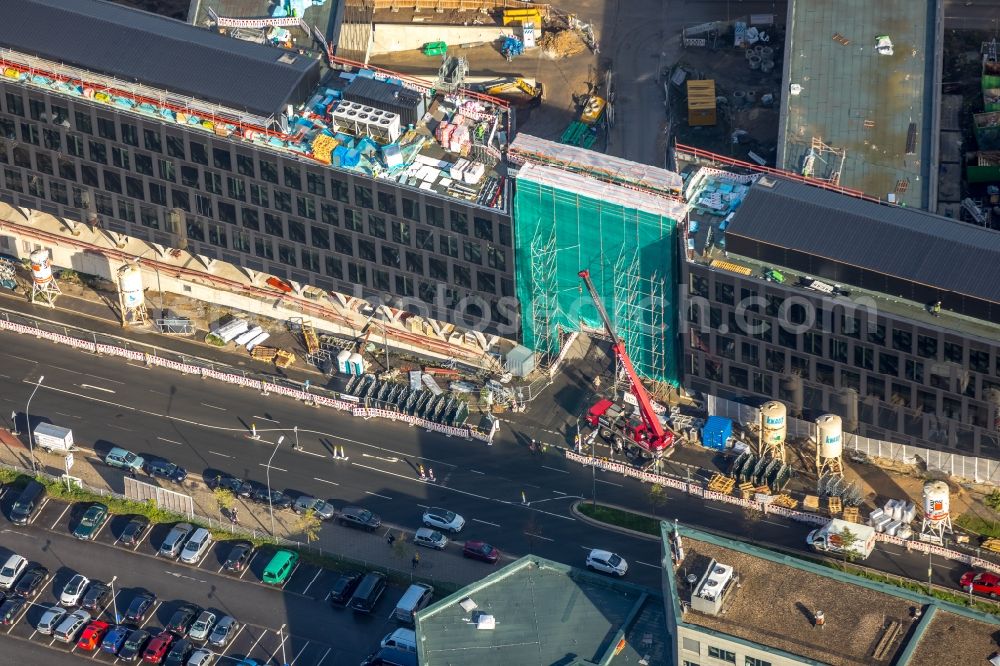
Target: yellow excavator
x,y
514,89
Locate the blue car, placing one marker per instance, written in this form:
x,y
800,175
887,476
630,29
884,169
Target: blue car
x,y
115,639
165,470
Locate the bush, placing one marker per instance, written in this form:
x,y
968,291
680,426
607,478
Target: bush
x,y
626,519
213,339
993,500
979,525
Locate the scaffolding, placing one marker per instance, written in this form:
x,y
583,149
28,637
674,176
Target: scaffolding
x,y
626,239
832,157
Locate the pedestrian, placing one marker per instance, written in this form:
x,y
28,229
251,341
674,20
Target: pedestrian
x,y
131,472
416,560
533,446
597,382
390,538
936,309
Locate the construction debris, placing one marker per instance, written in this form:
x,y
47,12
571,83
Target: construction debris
x,y
785,500
262,353
992,544
852,515
811,503
283,359
720,483
309,335
834,506
561,44
747,490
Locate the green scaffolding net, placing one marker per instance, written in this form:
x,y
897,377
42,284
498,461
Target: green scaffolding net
x,y
565,223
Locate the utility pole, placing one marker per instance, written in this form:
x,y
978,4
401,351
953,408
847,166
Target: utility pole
x,y
270,504
27,419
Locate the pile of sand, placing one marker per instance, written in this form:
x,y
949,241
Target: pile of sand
x,y
561,44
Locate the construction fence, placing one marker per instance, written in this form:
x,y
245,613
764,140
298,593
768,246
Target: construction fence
x,y
970,468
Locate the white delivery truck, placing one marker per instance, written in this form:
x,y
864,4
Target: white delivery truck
x,y
54,438
828,539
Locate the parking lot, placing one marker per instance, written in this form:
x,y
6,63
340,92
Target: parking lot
x,y
294,624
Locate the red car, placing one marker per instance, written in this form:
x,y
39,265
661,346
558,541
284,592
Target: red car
x,y
157,648
983,583
480,550
92,636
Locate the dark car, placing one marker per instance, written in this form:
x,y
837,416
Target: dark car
x,y
157,648
134,530
279,500
480,550
343,588
92,521
180,621
179,653
11,608
239,555
233,484
134,645
140,607
31,582
97,596
165,470
355,516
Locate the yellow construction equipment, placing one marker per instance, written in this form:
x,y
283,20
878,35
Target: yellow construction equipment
x,y
511,85
309,335
593,110
283,358
523,17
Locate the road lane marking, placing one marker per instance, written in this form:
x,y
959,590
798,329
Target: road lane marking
x,y
334,483
716,508
561,471
39,512
280,469
306,591
136,365
368,492
29,360
476,471
224,455
60,516
537,536
296,657
105,379
151,614
311,453
485,522
290,574
646,564
112,425
318,663
246,567
771,522
164,439
232,641
558,492
69,415
259,638
96,388
159,392
264,418
221,409
610,483
59,367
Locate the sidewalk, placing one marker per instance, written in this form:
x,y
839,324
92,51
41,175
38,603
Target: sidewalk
x,y
368,550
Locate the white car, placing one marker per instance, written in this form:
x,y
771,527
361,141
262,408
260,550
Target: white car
x,y
201,657
606,562
12,570
73,590
449,521
196,546
429,538
50,620
202,626
70,626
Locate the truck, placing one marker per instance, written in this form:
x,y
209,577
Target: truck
x,y
54,438
827,539
615,423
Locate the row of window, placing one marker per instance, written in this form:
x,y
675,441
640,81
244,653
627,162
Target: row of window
x,y
691,645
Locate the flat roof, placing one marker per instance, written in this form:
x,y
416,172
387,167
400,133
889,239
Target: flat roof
x,y
140,47
876,107
975,639
546,613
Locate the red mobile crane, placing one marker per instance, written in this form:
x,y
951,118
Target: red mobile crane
x,y
648,433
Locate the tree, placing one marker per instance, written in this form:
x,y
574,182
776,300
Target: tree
x,y
657,496
225,499
848,540
309,525
993,500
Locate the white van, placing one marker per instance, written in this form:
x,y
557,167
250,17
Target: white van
x,y
401,639
12,570
416,597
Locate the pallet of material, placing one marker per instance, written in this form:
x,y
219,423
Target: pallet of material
x,y
851,514
283,359
262,353
719,483
747,490
992,544
834,506
309,335
785,500
810,503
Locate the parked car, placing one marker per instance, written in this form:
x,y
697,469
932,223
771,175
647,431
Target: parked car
x,y
355,516
28,503
343,588
202,626
93,519
92,636
134,530
442,519
239,556
70,626
480,550
196,546
123,459
279,500
174,542
140,607
201,657
12,570
430,538
165,469
10,609
134,645
157,648
367,593
224,631
606,562
182,618
280,567
233,484
97,596
982,582
321,508
31,582
50,620
179,653
73,590
115,639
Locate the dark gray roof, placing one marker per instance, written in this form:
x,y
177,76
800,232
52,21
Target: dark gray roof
x,y
904,243
137,46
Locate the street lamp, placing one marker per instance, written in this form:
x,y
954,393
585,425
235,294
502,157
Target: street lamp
x,y
270,504
13,422
295,429
114,602
27,418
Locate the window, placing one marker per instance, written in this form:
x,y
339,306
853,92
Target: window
x,y
222,159
22,157
175,147
67,169
690,645
448,245
273,225
334,268
315,184
459,222
838,350
902,340
357,273
126,210
144,164
190,177
376,226
775,359
213,182
699,286
112,181
754,661
812,343
204,205
89,175
401,233
181,199
217,235
750,353
484,228
296,231
343,244
53,139
306,206
366,249
363,196
438,268
236,187
390,257
106,129
251,219
927,346
240,241
158,194
264,248
199,153
36,187
915,371
473,252
283,201
244,165
15,104
404,285
505,234
30,133
74,145
723,655
864,358
151,139
134,188
425,239
195,230
58,193
329,214
463,277
739,378
259,195
338,190
435,215
84,123
130,135
352,220
824,373
496,258
876,334
148,217
411,210
387,202
978,360
98,152
227,212
36,109
953,352
310,260
269,171
725,346
120,158
293,178
167,170
13,179
320,237
414,262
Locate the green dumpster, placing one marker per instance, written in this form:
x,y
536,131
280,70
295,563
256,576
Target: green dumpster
x,y
435,48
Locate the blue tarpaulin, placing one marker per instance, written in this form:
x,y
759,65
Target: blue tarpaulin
x,y
716,431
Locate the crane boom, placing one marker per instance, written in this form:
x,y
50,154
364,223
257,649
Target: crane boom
x,y
657,438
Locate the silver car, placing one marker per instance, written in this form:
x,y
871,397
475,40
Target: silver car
x,y
442,519
70,626
202,626
224,631
430,538
50,620
201,657
196,547
321,508
172,545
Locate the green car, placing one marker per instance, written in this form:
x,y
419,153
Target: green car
x,y
91,522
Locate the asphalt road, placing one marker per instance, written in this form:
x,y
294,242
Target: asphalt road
x,y
313,633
